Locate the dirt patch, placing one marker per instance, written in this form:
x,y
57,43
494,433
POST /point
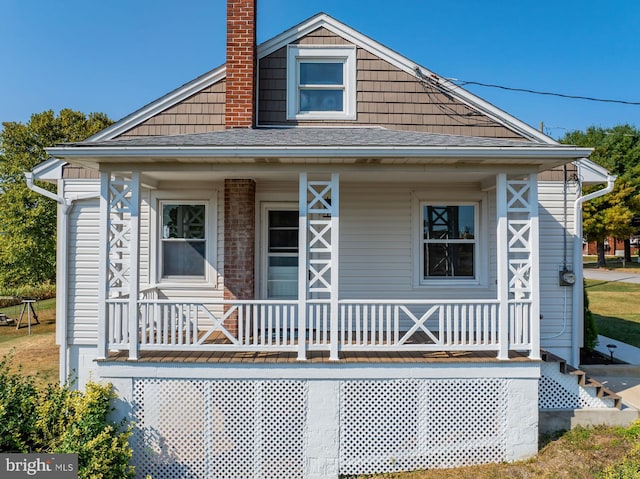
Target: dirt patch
x,y
35,354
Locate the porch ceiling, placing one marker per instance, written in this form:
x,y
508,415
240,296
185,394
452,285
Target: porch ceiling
x,y
353,173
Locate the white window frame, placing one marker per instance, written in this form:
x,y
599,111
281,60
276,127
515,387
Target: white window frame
x,y
481,250
297,54
160,198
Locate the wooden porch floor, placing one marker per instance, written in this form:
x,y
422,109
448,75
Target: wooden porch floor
x,y
314,357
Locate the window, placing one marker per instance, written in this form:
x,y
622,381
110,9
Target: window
x,y
449,241
321,82
184,242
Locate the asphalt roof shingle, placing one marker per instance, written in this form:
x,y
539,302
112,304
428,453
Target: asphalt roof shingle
x,y
313,137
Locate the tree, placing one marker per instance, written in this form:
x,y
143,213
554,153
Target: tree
x,y
618,150
27,219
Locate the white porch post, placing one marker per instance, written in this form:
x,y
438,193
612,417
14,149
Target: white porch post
x,y
534,275
335,235
503,266
303,274
318,262
119,263
103,266
134,265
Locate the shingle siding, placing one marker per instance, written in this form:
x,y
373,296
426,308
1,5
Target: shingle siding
x,y
386,96
200,113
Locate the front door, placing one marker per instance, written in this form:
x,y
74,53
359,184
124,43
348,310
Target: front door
x,y
281,252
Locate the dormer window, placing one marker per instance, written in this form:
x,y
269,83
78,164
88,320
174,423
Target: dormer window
x,y
321,82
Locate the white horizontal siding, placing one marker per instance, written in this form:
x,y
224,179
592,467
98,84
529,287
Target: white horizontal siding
x,y
556,224
377,257
82,259
145,236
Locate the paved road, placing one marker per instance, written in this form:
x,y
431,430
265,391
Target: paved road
x,y
607,275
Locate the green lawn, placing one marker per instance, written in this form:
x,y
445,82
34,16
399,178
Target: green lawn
x,y
616,307
613,263
35,354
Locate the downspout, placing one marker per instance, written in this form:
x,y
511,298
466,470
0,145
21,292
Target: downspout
x,y
65,205
578,299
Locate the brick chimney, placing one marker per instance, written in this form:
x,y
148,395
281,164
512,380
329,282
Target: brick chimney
x,y
241,64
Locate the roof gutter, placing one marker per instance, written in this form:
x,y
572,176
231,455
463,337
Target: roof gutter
x,y
65,205
127,152
578,291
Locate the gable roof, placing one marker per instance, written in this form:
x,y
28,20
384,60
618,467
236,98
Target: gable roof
x,y
323,20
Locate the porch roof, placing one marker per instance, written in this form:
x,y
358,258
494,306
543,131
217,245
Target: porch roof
x,y
315,137
328,145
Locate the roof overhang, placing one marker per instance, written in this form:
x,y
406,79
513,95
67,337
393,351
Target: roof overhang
x,y
542,157
49,170
591,173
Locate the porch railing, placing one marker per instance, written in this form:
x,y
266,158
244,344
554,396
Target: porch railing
x,y
269,326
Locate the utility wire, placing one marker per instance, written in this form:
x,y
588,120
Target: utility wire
x,y
526,90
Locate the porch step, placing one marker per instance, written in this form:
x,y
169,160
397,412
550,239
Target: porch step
x,y
589,384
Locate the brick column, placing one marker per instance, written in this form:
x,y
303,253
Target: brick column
x,y
239,242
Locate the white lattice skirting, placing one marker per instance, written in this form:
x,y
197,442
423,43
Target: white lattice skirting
x,y
209,428
562,391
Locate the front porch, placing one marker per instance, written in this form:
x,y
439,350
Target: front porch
x,y
138,317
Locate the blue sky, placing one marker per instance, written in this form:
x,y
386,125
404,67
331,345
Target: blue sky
x,y
118,55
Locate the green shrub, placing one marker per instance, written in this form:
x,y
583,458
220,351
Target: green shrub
x,y
589,323
18,400
14,295
64,420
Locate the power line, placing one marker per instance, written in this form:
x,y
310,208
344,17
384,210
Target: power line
x,y
526,90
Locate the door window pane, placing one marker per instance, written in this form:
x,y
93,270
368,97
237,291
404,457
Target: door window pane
x,y
282,280
282,254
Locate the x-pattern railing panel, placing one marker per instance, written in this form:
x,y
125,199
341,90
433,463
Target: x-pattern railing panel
x,y
419,324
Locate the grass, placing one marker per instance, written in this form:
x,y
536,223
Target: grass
x,y
35,355
582,453
616,309
614,263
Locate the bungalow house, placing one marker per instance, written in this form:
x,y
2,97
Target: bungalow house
x,y
318,259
